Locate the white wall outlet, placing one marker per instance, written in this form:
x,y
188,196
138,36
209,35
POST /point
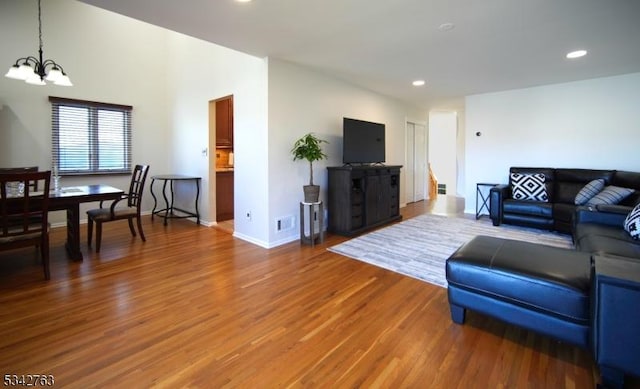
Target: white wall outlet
x,y
248,215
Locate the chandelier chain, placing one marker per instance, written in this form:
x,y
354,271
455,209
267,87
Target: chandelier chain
x,y
40,24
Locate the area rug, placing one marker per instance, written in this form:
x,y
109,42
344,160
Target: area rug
x,y
418,247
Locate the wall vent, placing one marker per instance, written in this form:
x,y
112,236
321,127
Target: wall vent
x,y
285,223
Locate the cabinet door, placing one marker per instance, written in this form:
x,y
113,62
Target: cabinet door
x,y
378,198
224,123
224,196
372,199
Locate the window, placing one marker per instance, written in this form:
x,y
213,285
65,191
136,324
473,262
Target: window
x,y
90,137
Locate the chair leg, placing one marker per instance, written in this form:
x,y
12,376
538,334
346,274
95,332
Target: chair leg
x,y
44,251
89,231
139,220
133,230
98,236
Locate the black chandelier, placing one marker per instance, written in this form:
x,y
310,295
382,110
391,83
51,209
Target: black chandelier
x,y
34,70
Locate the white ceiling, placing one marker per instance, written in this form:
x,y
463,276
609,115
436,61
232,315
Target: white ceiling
x,y
384,45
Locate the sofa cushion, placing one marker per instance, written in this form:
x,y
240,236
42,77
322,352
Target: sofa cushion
x,y
532,208
527,186
628,180
568,182
632,223
602,239
610,195
589,191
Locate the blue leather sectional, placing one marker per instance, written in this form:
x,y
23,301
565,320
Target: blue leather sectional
x,y
589,297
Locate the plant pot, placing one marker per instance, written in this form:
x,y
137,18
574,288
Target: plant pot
x,y
311,193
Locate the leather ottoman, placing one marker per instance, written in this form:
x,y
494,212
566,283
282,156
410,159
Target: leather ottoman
x,y
540,288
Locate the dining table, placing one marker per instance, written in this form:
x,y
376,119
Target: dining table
x,y
69,199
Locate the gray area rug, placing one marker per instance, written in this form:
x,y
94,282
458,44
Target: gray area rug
x,y
418,247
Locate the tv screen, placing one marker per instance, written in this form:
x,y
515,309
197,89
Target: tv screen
x,y
362,142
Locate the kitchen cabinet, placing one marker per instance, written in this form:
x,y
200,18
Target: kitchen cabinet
x,y
224,195
224,123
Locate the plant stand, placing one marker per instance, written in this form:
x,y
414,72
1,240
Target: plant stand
x,y
316,214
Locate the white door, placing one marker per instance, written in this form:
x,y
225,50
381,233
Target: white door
x,y
409,163
420,165
416,162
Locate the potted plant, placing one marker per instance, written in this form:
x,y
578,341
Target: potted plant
x,y
309,147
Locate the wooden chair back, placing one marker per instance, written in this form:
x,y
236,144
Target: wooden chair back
x,y
24,212
25,169
136,187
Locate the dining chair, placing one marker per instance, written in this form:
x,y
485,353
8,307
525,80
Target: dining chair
x,y
26,169
24,213
118,211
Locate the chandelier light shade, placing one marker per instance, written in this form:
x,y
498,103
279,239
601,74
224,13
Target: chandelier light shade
x,y
35,70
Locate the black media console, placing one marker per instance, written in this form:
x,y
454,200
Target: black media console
x,y
362,197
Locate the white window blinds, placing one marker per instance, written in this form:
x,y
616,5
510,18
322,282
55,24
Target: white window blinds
x,y
90,137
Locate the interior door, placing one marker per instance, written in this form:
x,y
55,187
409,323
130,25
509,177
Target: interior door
x,y
420,163
416,162
409,170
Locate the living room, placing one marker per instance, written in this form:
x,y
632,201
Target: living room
x,y
590,123
170,112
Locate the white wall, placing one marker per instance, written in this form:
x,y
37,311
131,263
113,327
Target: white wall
x,y
302,101
227,72
109,58
585,124
443,138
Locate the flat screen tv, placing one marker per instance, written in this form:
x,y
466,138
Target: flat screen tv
x,y
362,142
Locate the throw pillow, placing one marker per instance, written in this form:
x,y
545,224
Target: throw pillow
x,y
589,191
527,186
610,195
632,223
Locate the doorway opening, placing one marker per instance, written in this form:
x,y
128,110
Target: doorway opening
x,y
443,160
221,176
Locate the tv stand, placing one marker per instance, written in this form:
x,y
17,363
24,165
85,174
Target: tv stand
x,y
362,197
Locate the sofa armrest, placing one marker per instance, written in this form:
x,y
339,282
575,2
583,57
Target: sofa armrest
x,y
615,300
619,209
496,197
586,214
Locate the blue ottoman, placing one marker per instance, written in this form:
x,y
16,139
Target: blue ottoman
x,y
540,288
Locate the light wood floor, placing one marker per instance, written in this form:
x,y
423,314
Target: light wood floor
x,y
194,307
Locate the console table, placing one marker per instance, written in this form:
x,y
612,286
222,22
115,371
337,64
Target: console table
x,y
168,212
362,197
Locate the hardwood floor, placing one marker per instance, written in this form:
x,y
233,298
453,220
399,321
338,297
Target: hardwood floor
x,y
194,307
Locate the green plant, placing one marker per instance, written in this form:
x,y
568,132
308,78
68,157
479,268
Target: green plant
x,y
309,147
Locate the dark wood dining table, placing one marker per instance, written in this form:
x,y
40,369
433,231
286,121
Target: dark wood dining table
x,y
69,199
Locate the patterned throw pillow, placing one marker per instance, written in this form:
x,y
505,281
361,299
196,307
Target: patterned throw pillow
x,y
632,223
589,191
610,195
529,187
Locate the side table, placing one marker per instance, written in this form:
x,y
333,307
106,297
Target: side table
x,y
316,212
168,211
482,198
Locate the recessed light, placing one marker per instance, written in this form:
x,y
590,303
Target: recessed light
x,y
577,54
243,1
418,83
446,26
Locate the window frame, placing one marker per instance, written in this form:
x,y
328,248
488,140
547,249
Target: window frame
x,y
93,108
